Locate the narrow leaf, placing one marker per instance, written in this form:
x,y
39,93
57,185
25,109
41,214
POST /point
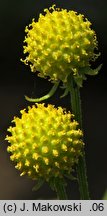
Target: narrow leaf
x,y
71,177
65,93
78,80
45,97
90,71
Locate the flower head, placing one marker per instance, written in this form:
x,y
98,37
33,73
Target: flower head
x,y
45,142
59,44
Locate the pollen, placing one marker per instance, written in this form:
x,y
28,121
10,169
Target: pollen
x,y
55,152
45,149
27,163
35,145
36,167
35,156
26,152
19,165
46,160
64,147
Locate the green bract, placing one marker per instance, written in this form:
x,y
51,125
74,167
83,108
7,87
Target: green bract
x,y
45,142
59,44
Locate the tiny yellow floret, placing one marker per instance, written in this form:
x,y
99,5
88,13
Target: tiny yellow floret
x,y
55,152
45,149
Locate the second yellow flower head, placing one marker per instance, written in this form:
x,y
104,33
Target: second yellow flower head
x,y
45,142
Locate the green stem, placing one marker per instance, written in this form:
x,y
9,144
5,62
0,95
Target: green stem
x,y
81,167
60,189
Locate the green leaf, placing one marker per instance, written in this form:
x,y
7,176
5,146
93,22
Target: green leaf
x,y
85,71
90,71
38,185
65,93
71,177
79,80
45,97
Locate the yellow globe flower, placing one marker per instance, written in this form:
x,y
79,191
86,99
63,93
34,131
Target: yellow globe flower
x,y
45,142
60,43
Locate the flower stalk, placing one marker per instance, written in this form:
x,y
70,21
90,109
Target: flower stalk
x,y
60,190
81,166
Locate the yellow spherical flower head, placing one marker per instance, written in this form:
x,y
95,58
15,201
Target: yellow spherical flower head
x,y
59,44
45,142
